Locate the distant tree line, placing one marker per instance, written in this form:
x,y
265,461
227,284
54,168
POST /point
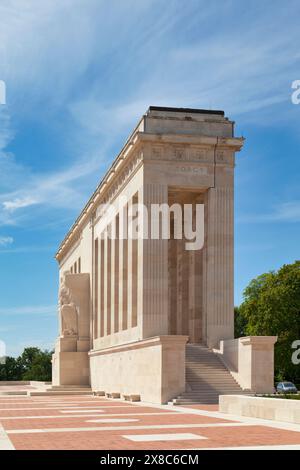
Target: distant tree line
x,y
271,306
32,364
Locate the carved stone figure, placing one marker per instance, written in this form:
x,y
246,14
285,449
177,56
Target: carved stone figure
x,y
68,313
69,320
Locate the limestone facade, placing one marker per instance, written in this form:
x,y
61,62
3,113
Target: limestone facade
x,y
145,298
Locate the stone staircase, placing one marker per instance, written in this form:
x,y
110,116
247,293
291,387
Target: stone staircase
x,y
62,390
206,378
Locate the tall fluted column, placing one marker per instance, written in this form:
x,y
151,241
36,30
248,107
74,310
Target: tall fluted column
x,y
101,285
123,304
155,267
132,265
107,285
96,288
115,297
112,276
129,267
218,283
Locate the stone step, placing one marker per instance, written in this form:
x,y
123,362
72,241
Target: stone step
x,y
59,392
201,397
204,381
206,355
206,377
204,358
198,373
70,387
192,402
199,353
200,365
218,388
199,361
208,373
207,401
212,392
204,366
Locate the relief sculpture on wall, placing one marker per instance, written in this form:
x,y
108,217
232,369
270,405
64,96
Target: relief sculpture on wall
x,y
68,313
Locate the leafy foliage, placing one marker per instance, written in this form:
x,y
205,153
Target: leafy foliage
x,y
32,364
240,323
271,306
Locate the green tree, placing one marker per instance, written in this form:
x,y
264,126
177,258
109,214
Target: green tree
x,y
240,323
40,367
28,357
32,364
271,306
11,369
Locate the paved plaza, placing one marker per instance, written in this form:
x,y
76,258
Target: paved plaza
x,y
96,423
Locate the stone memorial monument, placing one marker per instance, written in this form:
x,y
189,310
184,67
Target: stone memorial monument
x,y
131,307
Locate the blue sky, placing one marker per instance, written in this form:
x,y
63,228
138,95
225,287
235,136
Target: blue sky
x,y
80,73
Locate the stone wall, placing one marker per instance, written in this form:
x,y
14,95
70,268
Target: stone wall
x,y
276,409
251,361
152,368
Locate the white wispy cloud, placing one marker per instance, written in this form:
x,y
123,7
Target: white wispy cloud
x,y
18,203
284,212
28,249
45,310
4,241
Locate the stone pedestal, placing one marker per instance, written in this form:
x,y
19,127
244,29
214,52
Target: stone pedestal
x,y
70,363
70,368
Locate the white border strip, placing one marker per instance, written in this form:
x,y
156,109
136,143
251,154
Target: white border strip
x,y
5,442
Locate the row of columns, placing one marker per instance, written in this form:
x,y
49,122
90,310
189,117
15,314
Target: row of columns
x,y
115,281
178,292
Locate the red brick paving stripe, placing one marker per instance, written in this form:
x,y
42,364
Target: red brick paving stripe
x,y
250,436
113,440
107,410
160,419
63,406
67,405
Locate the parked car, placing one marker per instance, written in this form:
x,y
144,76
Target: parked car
x,y
286,387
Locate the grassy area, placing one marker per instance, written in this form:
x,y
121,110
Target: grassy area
x,y
288,396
